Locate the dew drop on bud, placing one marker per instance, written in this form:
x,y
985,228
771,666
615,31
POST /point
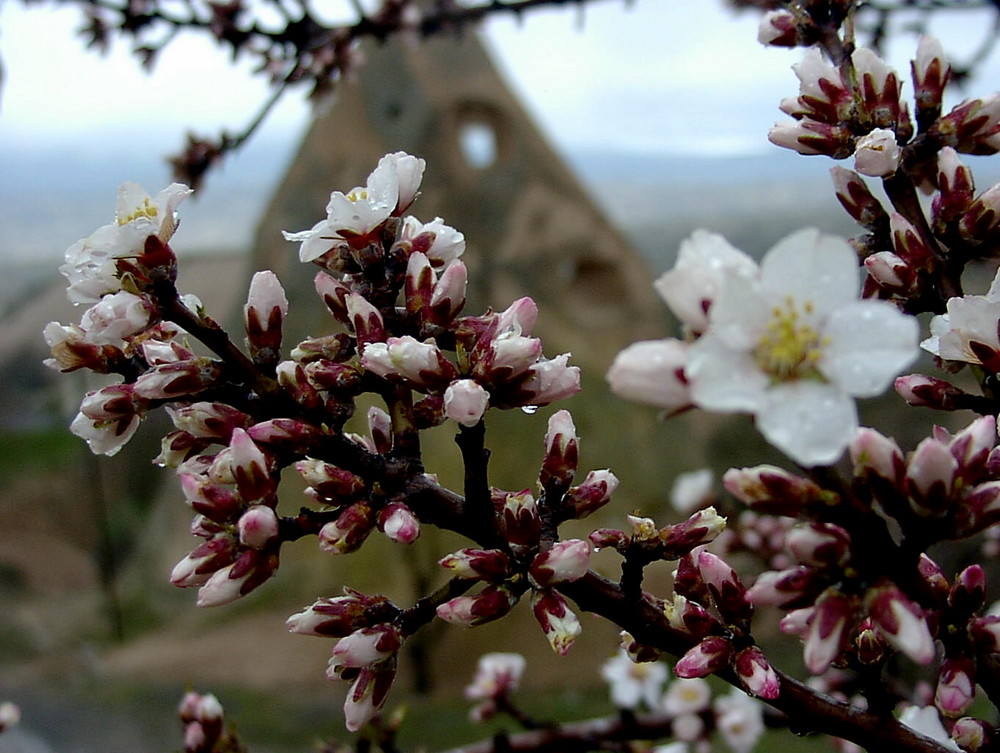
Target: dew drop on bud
x,y
530,409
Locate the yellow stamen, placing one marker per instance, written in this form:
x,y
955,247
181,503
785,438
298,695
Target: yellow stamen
x,y
790,348
146,209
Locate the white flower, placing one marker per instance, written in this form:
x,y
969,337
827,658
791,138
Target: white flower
x,y
690,287
687,696
105,437
114,318
91,263
391,186
634,683
740,721
968,331
877,153
440,243
795,345
496,674
927,721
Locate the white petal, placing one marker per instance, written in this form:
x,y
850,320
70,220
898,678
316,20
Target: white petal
x,y
870,343
722,379
811,266
741,313
809,421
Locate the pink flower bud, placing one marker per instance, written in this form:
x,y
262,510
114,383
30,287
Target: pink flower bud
x,y
931,473
811,137
908,243
877,154
652,372
796,586
702,527
818,544
561,450
891,272
931,72
179,378
756,673
202,561
258,527
591,495
341,615
366,646
560,625
209,420
519,317
565,562
549,380
873,453
725,586
332,483
956,188
465,402
689,617
263,315
855,196
929,392
710,655
348,532
334,294
365,319
826,634
901,622
972,734
368,694
480,564
769,489
778,28
250,467
522,523
956,686
968,594
420,363
489,604
448,297
398,523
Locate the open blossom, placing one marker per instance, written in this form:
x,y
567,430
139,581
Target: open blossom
x,y
91,262
795,345
877,154
633,683
390,188
968,330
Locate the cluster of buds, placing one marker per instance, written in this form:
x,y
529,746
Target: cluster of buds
x,y
365,654
204,726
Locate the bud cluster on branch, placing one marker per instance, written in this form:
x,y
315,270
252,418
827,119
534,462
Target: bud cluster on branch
x,y
848,551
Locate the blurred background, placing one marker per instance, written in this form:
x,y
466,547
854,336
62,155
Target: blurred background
x,y
575,149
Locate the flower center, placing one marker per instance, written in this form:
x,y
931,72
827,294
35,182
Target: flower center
x,y
146,209
790,348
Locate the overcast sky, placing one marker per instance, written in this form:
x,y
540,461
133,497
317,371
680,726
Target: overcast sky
x,y
658,77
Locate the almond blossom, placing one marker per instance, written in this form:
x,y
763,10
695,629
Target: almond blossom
x,y
968,330
795,345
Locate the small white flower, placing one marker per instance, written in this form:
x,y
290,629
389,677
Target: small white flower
x,y
796,345
740,721
968,331
687,696
634,683
496,674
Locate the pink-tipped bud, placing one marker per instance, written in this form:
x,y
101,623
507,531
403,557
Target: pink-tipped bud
x,y
334,294
769,489
489,604
204,560
710,655
263,315
365,319
591,495
968,594
258,527
956,188
931,473
812,137
826,634
855,196
956,686
368,694
479,564
931,72
331,483
972,734
522,522
399,523
924,391
341,615
876,455
778,28
725,586
349,531
790,588
366,646
891,272
901,622
250,467
465,402
703,527
565,562
756,673
560,625
818,544
908,243
562,450
172,380
448,297
422,364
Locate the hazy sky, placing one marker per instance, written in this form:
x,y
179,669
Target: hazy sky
x,y
660,76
